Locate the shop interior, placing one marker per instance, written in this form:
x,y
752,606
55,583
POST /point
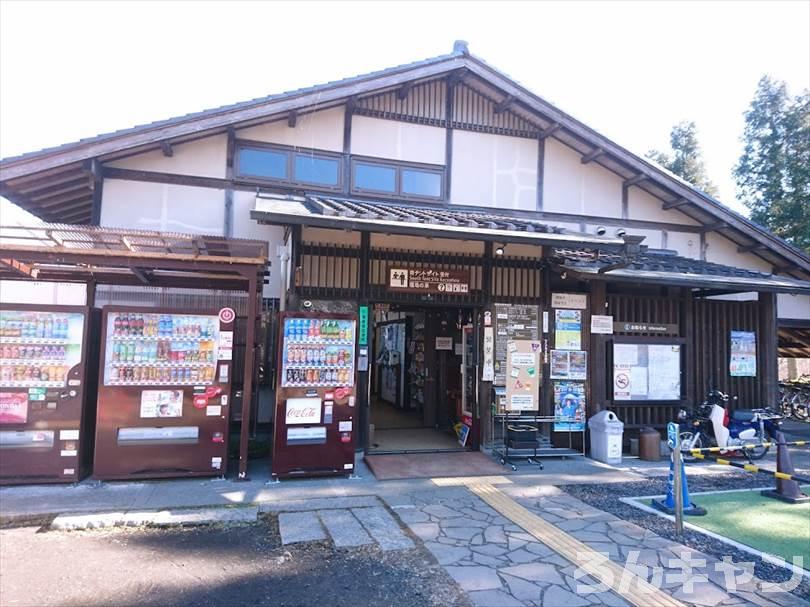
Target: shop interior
x,y
416,393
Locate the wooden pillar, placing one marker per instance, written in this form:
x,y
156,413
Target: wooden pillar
x,y
229,172
98,191
768,350
598,354
247,383
689,371
363,400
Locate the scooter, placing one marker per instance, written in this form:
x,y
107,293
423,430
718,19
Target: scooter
x,y
711,426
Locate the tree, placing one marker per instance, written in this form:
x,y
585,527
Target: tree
x,y
773,173
686,159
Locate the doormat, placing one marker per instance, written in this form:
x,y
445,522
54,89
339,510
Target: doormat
x,y
431,465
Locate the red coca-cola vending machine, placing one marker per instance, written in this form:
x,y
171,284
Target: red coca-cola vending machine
x,y
46,414
316,417
164,393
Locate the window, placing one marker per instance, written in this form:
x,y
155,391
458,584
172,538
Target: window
x,y
408,181
288,166
375,177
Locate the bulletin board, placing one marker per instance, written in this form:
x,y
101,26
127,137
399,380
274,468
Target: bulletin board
x,y
646,372
523,375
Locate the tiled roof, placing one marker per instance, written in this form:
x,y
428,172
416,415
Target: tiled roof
x,y
329,211
664,268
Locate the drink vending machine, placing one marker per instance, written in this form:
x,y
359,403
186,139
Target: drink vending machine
x,y
46,425
164,393
315,403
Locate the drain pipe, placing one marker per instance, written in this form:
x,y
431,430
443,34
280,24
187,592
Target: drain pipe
x,y
284,257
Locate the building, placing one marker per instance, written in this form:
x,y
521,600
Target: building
x,y
485,194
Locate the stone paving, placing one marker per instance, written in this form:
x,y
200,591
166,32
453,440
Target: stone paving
x,y
346,526
500,565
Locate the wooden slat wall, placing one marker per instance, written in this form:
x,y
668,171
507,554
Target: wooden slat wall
x,y
516,280
424,104
714,321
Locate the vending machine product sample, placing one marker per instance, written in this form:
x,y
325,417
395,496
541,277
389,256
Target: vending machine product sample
x,y
45,424
164,393
315,401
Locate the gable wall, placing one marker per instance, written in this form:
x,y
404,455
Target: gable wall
x,y
494,171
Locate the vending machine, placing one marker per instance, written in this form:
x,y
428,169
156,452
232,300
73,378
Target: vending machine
x,y
45,419
164,393
316,417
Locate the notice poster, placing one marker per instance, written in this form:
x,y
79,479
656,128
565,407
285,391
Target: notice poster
x,y
568,329
569,364
523,375
488,373
743,361
569,406
646,372
601,325
13,407
512,323
162,403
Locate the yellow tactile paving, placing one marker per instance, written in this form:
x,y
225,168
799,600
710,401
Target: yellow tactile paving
x,y
624,582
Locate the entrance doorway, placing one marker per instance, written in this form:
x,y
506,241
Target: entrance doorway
x,y
423,381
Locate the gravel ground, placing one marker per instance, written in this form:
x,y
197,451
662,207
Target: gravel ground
x,y
596,496
212,566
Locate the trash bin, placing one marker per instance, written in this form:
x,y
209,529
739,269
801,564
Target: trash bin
x,y
606,437
649,445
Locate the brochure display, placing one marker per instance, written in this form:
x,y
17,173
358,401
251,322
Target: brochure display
x,y
164,393
43,386
315,429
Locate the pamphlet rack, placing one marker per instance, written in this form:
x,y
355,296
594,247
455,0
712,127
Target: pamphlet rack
x,y
508,453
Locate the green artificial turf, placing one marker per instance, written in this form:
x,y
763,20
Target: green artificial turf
x,y
764,523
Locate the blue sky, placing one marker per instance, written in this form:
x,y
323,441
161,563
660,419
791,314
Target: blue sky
x,y
629,69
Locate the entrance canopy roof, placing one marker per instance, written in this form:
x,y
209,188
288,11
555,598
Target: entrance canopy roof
x,y
73,253
434,221
583,255
662,268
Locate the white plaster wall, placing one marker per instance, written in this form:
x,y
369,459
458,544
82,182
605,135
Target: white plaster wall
x,y
204,157
156,206
793,306
321,130
721,250
685,243
645,206
572,187
245,227
398,140
494,171
417,243
324,236
43,293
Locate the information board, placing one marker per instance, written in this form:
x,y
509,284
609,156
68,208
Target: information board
x,y
513,323
522,375
646,372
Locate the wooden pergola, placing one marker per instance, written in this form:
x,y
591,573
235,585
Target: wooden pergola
x,y
104,256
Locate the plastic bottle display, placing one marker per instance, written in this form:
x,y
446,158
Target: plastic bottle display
x,y
37,348
161,349
318,352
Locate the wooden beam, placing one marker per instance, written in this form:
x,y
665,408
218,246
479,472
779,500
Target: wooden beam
x,y
18,267
767,350
292,119
751,247
60,200
67,186
550,130
166,146
404,90
712,227
142,275
635,180
44,182
673,204
504,104
457,77
592,155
